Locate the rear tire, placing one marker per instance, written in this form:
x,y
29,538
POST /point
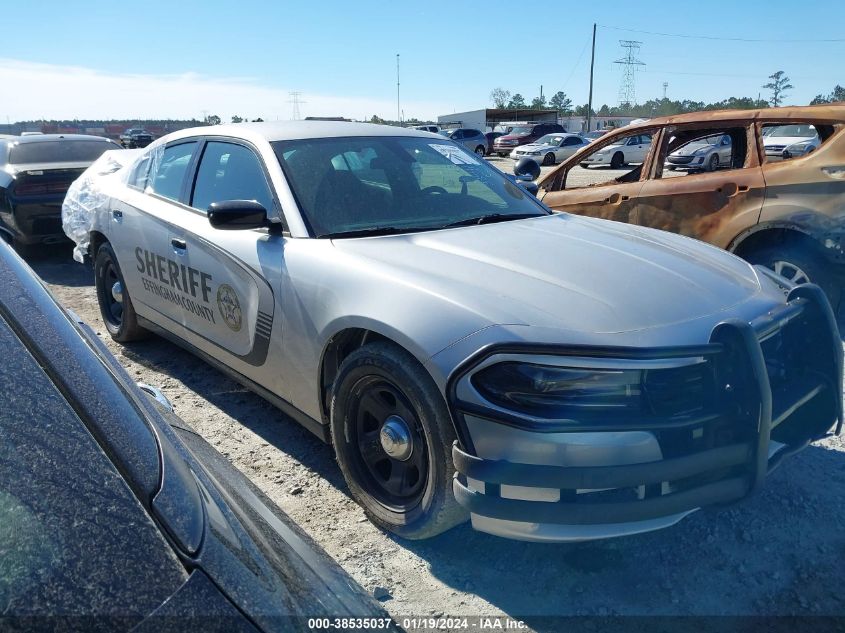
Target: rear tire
x,y
118,315
480,151
584,165
617,161
409,493
800,263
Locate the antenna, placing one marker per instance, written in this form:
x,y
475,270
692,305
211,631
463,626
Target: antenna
x,y
296,101
398,110
630,64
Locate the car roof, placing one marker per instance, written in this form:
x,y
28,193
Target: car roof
x,y
296,130
827,112
43,138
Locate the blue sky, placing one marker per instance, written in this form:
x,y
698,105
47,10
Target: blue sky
x,y
180,58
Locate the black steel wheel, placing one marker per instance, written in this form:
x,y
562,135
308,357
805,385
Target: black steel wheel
x,y
115,304
392,453
549,159
393,436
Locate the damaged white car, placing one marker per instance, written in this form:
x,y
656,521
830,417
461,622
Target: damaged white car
x,y
467,352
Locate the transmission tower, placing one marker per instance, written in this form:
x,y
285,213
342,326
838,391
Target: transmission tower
x,y
296,101
630,64
665,86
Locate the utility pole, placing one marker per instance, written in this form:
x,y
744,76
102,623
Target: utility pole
x,y
398,109
629,63
592,66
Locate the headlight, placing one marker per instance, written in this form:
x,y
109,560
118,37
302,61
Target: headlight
x,y
562,392
701,151
534,153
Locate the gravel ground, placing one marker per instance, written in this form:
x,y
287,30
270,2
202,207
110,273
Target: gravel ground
x,y
780,552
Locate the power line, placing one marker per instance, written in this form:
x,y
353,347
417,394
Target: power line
x,y
728,39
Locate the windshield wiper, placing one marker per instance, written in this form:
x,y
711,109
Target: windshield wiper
x,y
491,218
375,230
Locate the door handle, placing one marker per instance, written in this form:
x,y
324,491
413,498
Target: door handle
x,y
117,214
615,198
178,244
730,189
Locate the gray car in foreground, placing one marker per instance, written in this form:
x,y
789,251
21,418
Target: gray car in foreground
x,y
467,352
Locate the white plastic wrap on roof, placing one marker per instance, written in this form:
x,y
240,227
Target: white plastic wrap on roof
x,y
86,195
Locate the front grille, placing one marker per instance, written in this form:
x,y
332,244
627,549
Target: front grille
x,y
680,160
775,148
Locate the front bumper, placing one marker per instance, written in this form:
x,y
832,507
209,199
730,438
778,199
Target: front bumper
x,y
571,481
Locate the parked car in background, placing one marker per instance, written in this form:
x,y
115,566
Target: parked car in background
x,y
427,128
116,512
491,139
592,136
629,149
789,141
707,153
551,148
785,213
135,137
401,298
474,140
35,173
522,135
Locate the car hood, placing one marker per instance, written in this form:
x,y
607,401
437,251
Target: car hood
x,y
537,147
565,271
786,140
692,148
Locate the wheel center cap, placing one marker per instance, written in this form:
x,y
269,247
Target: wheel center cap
x,y
396,438
117,292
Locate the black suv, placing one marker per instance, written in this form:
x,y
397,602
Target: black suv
x,y
114,514
135,137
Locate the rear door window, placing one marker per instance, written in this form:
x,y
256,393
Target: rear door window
x,y
785,141
169,176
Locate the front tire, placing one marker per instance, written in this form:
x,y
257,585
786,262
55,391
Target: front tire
x,y
800,263
393,438
617,161
549,159
713,163
115,304
480,151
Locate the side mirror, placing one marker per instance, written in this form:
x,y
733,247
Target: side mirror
x,y
237,215
526,169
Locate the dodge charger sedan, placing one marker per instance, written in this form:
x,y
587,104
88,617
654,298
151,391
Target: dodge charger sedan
x,y
35,173
467,352
114,514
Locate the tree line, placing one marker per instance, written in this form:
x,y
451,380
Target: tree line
x,y
778,86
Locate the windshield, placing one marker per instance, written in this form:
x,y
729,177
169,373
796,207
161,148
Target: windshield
x,y
354,184
550,139
802,131
521,130
63,151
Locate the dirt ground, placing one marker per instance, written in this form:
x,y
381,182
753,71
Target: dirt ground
x,y
780,552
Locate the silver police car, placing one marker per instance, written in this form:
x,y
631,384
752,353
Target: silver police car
x,y
467,352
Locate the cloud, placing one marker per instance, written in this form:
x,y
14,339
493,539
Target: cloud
x,y
48,91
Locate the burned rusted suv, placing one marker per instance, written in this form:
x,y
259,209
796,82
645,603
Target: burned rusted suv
x,y
786,211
